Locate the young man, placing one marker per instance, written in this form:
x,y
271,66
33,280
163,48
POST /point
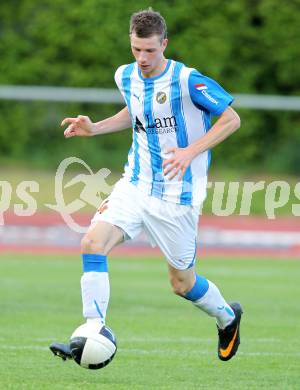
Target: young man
x,y
169,107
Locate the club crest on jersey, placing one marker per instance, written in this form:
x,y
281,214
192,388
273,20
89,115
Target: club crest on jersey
x,y
161,97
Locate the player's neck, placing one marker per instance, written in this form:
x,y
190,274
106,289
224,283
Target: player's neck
x,y
157,70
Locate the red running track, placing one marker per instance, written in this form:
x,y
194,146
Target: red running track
x,y
219,225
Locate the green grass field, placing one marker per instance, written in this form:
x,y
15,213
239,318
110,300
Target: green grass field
x,y
164,342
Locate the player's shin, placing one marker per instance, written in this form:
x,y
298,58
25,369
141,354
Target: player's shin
x,y
208,298
94,287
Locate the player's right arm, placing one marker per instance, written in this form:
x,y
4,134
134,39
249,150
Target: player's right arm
x,y
82,126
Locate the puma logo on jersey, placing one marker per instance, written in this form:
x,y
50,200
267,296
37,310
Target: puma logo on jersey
x,y
138,127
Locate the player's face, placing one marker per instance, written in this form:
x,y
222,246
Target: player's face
x,y
149,54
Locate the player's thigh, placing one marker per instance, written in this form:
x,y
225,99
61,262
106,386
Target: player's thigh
x,y
174,230
101,237
122,209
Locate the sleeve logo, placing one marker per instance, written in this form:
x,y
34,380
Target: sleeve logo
x,y
200,87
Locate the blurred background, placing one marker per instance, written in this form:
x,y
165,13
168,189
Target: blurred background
x,y
249,47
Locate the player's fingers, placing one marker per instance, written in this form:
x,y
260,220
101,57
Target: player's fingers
x,y
70,131
170,150
168,161
68,134
82,118
174,173
68,121
169,168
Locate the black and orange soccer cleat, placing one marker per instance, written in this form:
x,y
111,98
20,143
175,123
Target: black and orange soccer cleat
x,y
229,338
61,350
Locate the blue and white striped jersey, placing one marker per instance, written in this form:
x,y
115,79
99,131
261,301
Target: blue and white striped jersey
x,y
172,109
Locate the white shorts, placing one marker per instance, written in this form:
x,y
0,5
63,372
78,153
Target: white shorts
x,y
171,226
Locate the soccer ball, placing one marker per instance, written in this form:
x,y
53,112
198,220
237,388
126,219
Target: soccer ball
x,y
93,345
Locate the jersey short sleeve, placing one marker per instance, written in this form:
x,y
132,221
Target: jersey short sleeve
x,y
118,79
208,94
118,76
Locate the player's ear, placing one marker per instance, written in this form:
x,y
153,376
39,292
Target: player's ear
x,y
164,43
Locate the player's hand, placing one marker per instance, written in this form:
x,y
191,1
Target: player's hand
x,y
81,126
178,163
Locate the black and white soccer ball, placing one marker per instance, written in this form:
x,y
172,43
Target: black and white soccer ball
x,y
93,345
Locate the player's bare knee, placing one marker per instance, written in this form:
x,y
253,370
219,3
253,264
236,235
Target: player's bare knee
x,y
179,286
90,245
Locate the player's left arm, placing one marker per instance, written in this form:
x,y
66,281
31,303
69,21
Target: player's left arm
x,y
207,95
181,158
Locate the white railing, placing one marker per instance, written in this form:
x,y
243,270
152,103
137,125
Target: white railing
x,y
101,95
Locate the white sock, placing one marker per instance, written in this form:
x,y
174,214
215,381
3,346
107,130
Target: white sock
x,y
215,305
95,294
94,286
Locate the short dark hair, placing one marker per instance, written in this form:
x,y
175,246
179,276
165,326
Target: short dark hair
x,y
147,23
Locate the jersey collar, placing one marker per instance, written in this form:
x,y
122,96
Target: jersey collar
x,y
149,79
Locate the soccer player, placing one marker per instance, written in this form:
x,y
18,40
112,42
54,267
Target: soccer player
x,y
169,107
